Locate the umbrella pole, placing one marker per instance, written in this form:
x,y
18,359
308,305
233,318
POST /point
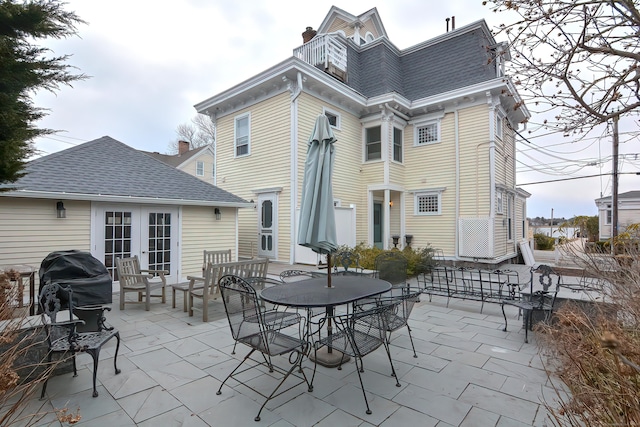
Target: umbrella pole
x,y
329,309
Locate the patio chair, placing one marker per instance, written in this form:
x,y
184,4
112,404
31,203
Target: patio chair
x,y
86,332
392,267
357,334
292,276
142,282
249,324
400,301
537,299
350,263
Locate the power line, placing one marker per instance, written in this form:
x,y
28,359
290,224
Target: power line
x,y
577,177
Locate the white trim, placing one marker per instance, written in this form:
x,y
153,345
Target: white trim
x,y
235,136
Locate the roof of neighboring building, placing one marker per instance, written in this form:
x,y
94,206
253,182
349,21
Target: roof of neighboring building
x,y
635,194
106,169
176,160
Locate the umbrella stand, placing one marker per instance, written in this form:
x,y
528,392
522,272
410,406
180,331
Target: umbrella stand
x,y
326,356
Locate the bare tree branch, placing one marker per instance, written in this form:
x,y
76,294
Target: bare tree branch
x,y
199,132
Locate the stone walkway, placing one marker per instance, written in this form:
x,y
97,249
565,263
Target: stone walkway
x,y
469,372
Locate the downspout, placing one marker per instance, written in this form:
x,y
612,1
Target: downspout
x,y
492,170
457,219
293,175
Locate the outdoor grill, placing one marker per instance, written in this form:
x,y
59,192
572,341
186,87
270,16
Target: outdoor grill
x,y
87,276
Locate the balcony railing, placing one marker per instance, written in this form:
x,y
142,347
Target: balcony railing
x,y
326,51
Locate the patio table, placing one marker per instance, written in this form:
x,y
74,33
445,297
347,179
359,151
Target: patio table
x,y
313,293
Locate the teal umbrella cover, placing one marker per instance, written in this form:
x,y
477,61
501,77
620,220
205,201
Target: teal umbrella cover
x,y
317,227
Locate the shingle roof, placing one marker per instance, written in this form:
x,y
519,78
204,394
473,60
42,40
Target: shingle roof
x,y
107,167
635,194
175,160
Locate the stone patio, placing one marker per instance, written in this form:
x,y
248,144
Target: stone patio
x,y
468,373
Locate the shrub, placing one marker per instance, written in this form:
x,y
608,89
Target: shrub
x,y
418,260
544,243
596,353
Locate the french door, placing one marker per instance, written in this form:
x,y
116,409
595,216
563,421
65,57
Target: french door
x,y
121,231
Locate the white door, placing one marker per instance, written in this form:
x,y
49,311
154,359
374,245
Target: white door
x,y
267,225
121,231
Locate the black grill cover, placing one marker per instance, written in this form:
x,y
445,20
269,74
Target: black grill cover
x,y
89,278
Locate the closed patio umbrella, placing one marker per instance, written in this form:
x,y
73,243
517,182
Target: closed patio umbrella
x,y
317,227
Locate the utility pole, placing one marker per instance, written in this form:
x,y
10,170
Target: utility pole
x,y
614,196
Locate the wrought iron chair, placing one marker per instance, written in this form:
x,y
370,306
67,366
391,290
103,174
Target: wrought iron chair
x,y
357,334
350,262
247,320
143,282
401,301
538,299
86,332
392,267
292,276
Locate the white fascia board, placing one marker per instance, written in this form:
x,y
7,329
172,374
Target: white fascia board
x,y
121,199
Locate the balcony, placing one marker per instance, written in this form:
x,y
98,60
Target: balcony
x,y
327,52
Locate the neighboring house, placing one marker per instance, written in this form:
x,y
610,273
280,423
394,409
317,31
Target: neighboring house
x,y
426,143
628,212
198,162
109,199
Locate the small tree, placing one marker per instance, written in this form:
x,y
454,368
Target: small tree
x,y
25,68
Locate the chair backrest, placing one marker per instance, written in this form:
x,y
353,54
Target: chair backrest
x,y
241,303
401,301
392,267
297,275
256,267
216,257
126,268
347,260
544,290
367,329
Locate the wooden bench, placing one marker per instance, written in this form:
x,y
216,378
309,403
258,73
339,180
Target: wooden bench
x,y
492,286
206,288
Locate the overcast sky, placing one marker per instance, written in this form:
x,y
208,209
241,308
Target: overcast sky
x,y
151,61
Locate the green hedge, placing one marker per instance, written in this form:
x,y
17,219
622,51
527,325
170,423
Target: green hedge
x,y
543,242
418,260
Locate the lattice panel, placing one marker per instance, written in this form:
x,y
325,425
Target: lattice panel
x,y
475,237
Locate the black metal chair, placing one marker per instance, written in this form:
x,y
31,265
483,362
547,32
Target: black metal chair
x,y
350,262
392,267
86,332
401,302
538,299
249,326
357,334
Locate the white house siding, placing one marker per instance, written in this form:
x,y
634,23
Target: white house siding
x,y
432,167
475,186
30,229
267,166
201,231
190,166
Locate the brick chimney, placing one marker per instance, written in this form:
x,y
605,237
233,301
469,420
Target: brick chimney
x,y
183,147
308,34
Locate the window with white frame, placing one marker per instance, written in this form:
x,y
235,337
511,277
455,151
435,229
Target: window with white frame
x,y
427,203
428,133
333,117
373,143
397,144
499,125
199,168
608,216
499,202
242,137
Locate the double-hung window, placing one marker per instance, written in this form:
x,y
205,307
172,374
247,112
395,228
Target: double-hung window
x,y
199,168
242,137
373,143
397,144
499,202
509,217
499,125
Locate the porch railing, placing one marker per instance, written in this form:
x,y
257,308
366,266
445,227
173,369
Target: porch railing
x,y
326,51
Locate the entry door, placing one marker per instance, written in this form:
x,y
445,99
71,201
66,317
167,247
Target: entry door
x,y
124,231
377,225
267,225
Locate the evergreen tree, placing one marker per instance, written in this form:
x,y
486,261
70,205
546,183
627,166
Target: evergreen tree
x,y
26,68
